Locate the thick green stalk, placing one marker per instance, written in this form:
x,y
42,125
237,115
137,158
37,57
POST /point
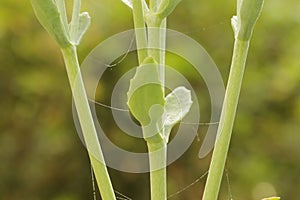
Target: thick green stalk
x,y
243,24
87,123
158,177
154,36
227,120
156,43
140,30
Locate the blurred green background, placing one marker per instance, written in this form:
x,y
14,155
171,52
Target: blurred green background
x,y
42,157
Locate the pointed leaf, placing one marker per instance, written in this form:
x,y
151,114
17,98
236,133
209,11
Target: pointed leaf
x,y
49,16
84,23
61,6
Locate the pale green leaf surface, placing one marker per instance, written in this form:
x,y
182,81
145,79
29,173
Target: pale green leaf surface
x,y
248,12
166,8
177,105
130,5
49,16
84,23
147,103
61,6
145,91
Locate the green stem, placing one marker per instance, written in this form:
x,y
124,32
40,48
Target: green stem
x,y
87,123
140,30
162,61
153,5
156,42
154,23
227,120
158,177
74,25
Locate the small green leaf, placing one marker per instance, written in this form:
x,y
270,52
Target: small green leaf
x,y
177,105
84,23
49,16
248,12
146,98
166,8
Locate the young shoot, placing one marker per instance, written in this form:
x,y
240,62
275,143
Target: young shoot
x,y
53,17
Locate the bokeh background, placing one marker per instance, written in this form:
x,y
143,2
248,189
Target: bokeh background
x,y
42,157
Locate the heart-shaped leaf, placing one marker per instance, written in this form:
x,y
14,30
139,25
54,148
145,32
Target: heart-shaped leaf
x,y
248,12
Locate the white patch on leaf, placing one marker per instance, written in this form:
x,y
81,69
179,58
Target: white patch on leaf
x,y
128,3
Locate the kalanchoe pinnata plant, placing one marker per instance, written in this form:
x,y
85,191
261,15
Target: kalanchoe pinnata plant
x,y
53,17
